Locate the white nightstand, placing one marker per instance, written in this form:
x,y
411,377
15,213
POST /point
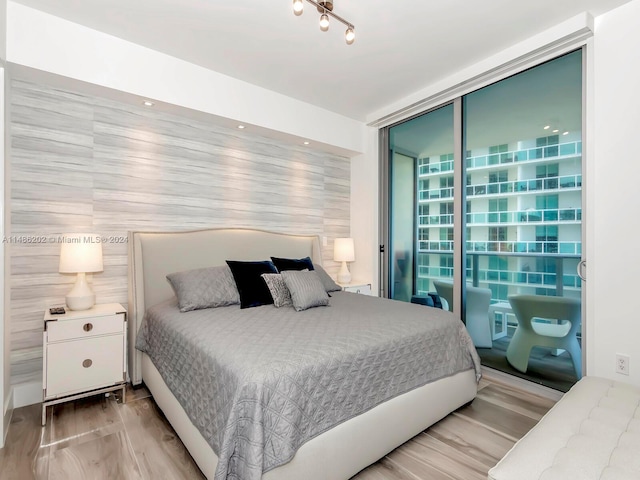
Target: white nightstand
x,y
84,353
363,288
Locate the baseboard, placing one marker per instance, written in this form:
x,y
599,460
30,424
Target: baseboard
x,y
27,394
8,412
520,383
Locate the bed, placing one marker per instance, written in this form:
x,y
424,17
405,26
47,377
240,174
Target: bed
x,y
350,434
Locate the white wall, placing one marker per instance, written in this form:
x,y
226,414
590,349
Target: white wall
x,y
3,30
612,179
612,173
364,212
41,41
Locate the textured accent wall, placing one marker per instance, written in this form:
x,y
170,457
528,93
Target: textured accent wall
x,y
81,163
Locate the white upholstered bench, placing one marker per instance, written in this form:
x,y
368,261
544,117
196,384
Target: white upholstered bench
x,y
593,432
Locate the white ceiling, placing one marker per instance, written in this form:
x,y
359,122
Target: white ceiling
x,y
401,46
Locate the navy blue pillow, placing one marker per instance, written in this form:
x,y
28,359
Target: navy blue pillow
x,y
283,264
252,288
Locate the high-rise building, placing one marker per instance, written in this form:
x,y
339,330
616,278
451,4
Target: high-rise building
x,y
523,217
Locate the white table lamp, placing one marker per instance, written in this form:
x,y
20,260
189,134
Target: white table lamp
x,y
80,253
343,251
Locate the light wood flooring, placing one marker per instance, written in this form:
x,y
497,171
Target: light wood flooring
x,y
99,438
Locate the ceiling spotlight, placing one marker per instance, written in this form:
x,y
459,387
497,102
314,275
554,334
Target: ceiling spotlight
x,y
556,130
325,8
349,35
240,127
147,103
547,127
306,143
565,133
324,22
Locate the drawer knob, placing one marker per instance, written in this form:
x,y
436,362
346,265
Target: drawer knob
x,y
87,327
87,363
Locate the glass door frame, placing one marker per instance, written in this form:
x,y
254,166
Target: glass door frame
x,y
459,198
458,206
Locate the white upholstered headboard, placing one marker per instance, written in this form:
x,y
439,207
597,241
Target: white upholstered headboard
x,y
153,255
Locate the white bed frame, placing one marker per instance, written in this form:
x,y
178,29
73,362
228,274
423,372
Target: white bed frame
x,y
336,454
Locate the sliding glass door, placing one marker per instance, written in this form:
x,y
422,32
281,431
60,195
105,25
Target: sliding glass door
x,y
421,203
518,210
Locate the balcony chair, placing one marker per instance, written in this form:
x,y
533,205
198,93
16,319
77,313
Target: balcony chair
x,y
561,333
477,319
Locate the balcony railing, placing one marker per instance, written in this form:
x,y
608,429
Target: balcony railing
x,y
538,185
528,154
520,217
526,216
554,282
533,247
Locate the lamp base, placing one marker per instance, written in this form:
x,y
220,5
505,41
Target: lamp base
x,y
344,275
80,303
81,297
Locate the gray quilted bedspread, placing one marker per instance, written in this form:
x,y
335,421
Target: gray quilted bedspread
x,y
260,382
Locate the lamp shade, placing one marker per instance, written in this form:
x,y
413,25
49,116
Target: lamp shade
x,y
80,253
343,250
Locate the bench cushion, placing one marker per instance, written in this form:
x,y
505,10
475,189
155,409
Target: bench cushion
x,y
593,432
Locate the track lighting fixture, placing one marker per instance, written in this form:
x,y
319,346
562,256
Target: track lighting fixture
x,y
324,22
349,35
325,8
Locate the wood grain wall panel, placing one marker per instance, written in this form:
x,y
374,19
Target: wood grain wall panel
x,y
85,164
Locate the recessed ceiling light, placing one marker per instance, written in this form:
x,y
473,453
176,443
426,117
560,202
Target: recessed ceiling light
x,y
565,133
547,127
240,127
147,103
306,143
556,131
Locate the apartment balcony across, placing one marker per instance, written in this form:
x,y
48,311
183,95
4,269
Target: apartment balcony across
x,y
523,217
517,247
490,161
514,187
554,275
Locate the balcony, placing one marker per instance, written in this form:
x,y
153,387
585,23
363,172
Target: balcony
x,y
522,279
520,217
568,149
514,247
538,185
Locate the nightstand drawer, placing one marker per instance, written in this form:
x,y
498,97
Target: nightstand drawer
x,y
84,365
85,327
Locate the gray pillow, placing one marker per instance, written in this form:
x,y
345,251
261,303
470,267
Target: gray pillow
x,y
278,289
327,281
204,288
305,288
